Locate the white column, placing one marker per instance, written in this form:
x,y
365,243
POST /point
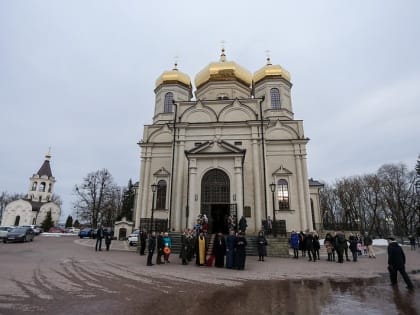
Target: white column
x,y
146,189
140,194
238,182
307,197
178,189
257,185
191,197
301,198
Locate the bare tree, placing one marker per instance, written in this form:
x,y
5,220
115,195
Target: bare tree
x,y
379,203
97,198
399,195
6,198
329,205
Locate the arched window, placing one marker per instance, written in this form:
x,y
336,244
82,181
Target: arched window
x,y
41,187
275,98
215,187
161,195
283,194
34,186
168,102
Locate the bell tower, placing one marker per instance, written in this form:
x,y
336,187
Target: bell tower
x,y
42,183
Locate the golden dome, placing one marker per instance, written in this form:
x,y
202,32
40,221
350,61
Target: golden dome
x,y
270,70
223,71
174,76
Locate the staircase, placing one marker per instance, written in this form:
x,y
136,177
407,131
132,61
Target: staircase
x,y
277,247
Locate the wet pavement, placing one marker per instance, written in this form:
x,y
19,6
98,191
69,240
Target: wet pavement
x,y
64,275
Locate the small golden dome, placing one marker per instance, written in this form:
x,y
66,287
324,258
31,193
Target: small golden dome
x,y
223,71
174,76
270,70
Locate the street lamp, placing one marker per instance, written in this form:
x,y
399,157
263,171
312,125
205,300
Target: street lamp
x,y
273,189
388,221
357,224
417,185
154,188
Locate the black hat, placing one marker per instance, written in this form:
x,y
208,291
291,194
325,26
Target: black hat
x,y
391,238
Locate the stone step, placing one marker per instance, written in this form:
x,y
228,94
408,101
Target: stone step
x,y
277,247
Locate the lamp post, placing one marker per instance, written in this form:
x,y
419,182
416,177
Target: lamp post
x,y
388,221
273,189
357,220
154,188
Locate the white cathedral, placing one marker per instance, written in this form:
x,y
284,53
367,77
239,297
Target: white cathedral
x,y
34,208
233,150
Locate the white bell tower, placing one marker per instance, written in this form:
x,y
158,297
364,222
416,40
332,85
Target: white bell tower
x,y
42,183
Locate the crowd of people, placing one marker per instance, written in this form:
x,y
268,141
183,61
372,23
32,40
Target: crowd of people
x,y
221,251
230,251
336,245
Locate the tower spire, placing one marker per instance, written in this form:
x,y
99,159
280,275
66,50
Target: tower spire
x,y
222,55
175,63
267,53
48,155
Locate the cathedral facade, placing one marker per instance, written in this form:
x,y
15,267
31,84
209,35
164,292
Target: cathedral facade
x,y
38,202
233,150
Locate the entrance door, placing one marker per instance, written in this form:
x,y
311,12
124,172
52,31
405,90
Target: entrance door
x,y
215,198
218,221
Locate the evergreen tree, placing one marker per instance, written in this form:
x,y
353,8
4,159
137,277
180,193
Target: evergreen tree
x,y
69,221
48,223
128,202
77,224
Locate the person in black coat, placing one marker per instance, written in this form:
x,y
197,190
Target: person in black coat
x,y
353,246
309,245
243,224
240,251
151,248
230,250
108,234
99,237
143,238
262,246
317,245
302,243
219,250
340,243
184,247
160,247
396,262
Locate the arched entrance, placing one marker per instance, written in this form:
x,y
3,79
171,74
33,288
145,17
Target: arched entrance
x,y
215,200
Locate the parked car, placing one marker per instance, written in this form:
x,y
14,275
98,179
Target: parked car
x,y
4,230
133,238
86,232
56,229
37,229
20,234
72,230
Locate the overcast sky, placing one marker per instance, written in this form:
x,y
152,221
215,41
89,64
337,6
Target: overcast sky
x,y
78,76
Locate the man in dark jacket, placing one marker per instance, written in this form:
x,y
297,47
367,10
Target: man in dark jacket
x,y
309,245
243,224
143,238
160,246
340,243
152,245
99,237
396,262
